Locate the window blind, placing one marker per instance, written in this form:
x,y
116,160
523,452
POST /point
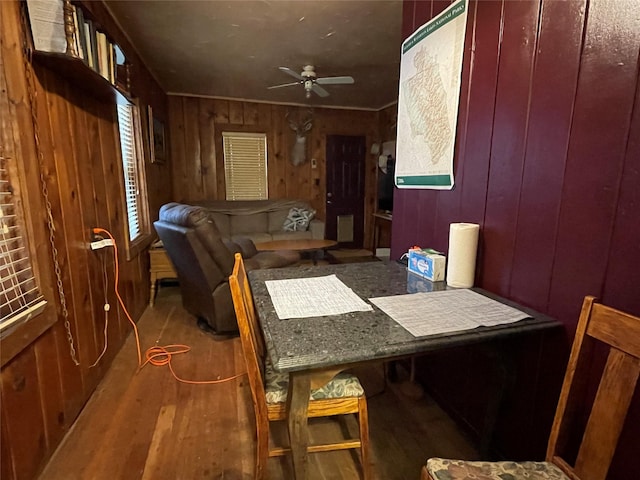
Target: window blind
x,y
130,169
20,296
245,165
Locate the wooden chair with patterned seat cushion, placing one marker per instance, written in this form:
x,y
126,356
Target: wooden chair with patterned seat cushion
x,y
618,331
341,396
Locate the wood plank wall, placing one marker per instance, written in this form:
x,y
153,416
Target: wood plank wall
x,y
42,391
196,126
547,162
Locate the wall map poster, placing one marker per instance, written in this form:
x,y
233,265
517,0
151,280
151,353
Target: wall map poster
x,y
430,71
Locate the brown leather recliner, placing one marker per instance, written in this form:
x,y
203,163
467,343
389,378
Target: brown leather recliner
x,y
204,260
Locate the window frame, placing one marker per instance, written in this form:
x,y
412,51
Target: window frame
x,y
248,134
16,144
20,292
136,246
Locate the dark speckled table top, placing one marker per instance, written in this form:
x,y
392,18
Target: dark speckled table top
x,y
316,342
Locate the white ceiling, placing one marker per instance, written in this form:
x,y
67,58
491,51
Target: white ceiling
x,y
232,49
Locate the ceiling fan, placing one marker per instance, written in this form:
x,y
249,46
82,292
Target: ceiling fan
x,y
311,82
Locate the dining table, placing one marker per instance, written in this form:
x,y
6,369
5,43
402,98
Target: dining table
x,y
313,350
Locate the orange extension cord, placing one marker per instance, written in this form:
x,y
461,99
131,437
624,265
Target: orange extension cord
x,y
157,356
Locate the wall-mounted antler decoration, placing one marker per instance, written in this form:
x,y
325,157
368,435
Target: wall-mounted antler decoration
x,y
301,126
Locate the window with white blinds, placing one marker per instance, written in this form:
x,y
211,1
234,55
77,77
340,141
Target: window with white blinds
x,y
20,297
245,165
131,169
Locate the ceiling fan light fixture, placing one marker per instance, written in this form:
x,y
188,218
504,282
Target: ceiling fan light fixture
x,y
308,86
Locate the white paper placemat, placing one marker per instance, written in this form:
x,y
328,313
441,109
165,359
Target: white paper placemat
x,y
313,297
447,311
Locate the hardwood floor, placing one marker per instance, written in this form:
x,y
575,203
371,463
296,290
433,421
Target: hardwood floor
x,y
146,425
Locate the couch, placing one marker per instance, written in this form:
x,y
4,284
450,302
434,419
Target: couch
x,y
264,220
204,259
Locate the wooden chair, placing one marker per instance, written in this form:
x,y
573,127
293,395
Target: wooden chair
x,y
342,395
621,333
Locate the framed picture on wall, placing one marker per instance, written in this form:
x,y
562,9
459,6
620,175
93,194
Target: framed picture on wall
x,y
157,141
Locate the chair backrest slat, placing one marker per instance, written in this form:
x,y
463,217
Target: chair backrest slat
x,y
607,415
252,318
621,333
250,336
618,329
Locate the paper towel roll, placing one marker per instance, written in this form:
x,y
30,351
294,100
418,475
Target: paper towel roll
x,y
461,261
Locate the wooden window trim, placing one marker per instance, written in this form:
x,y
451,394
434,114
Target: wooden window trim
x,y
27,332
139,245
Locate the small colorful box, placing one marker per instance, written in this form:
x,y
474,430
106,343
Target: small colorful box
x,y
428,265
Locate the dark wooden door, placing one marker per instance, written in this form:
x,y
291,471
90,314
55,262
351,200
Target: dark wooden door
x,y
345,189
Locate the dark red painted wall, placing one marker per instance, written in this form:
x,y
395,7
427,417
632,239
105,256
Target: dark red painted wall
x,y
548,154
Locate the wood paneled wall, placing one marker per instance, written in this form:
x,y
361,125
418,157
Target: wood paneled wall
x,y
42,390
197,124
147,92
547,160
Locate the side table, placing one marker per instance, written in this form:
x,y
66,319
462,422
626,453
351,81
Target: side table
x,y
160,267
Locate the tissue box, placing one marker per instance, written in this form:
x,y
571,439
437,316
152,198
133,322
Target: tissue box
x,y
428,265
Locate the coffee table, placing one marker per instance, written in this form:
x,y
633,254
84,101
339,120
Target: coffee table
x,y
299,245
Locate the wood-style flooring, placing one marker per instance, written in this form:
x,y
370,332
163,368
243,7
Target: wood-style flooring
x,y
146,425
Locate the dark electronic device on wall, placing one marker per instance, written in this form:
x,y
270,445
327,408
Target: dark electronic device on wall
x,y
386,185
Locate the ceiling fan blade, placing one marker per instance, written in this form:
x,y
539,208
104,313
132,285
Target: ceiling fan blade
x,y
283,85
291,72
319,90
335,80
